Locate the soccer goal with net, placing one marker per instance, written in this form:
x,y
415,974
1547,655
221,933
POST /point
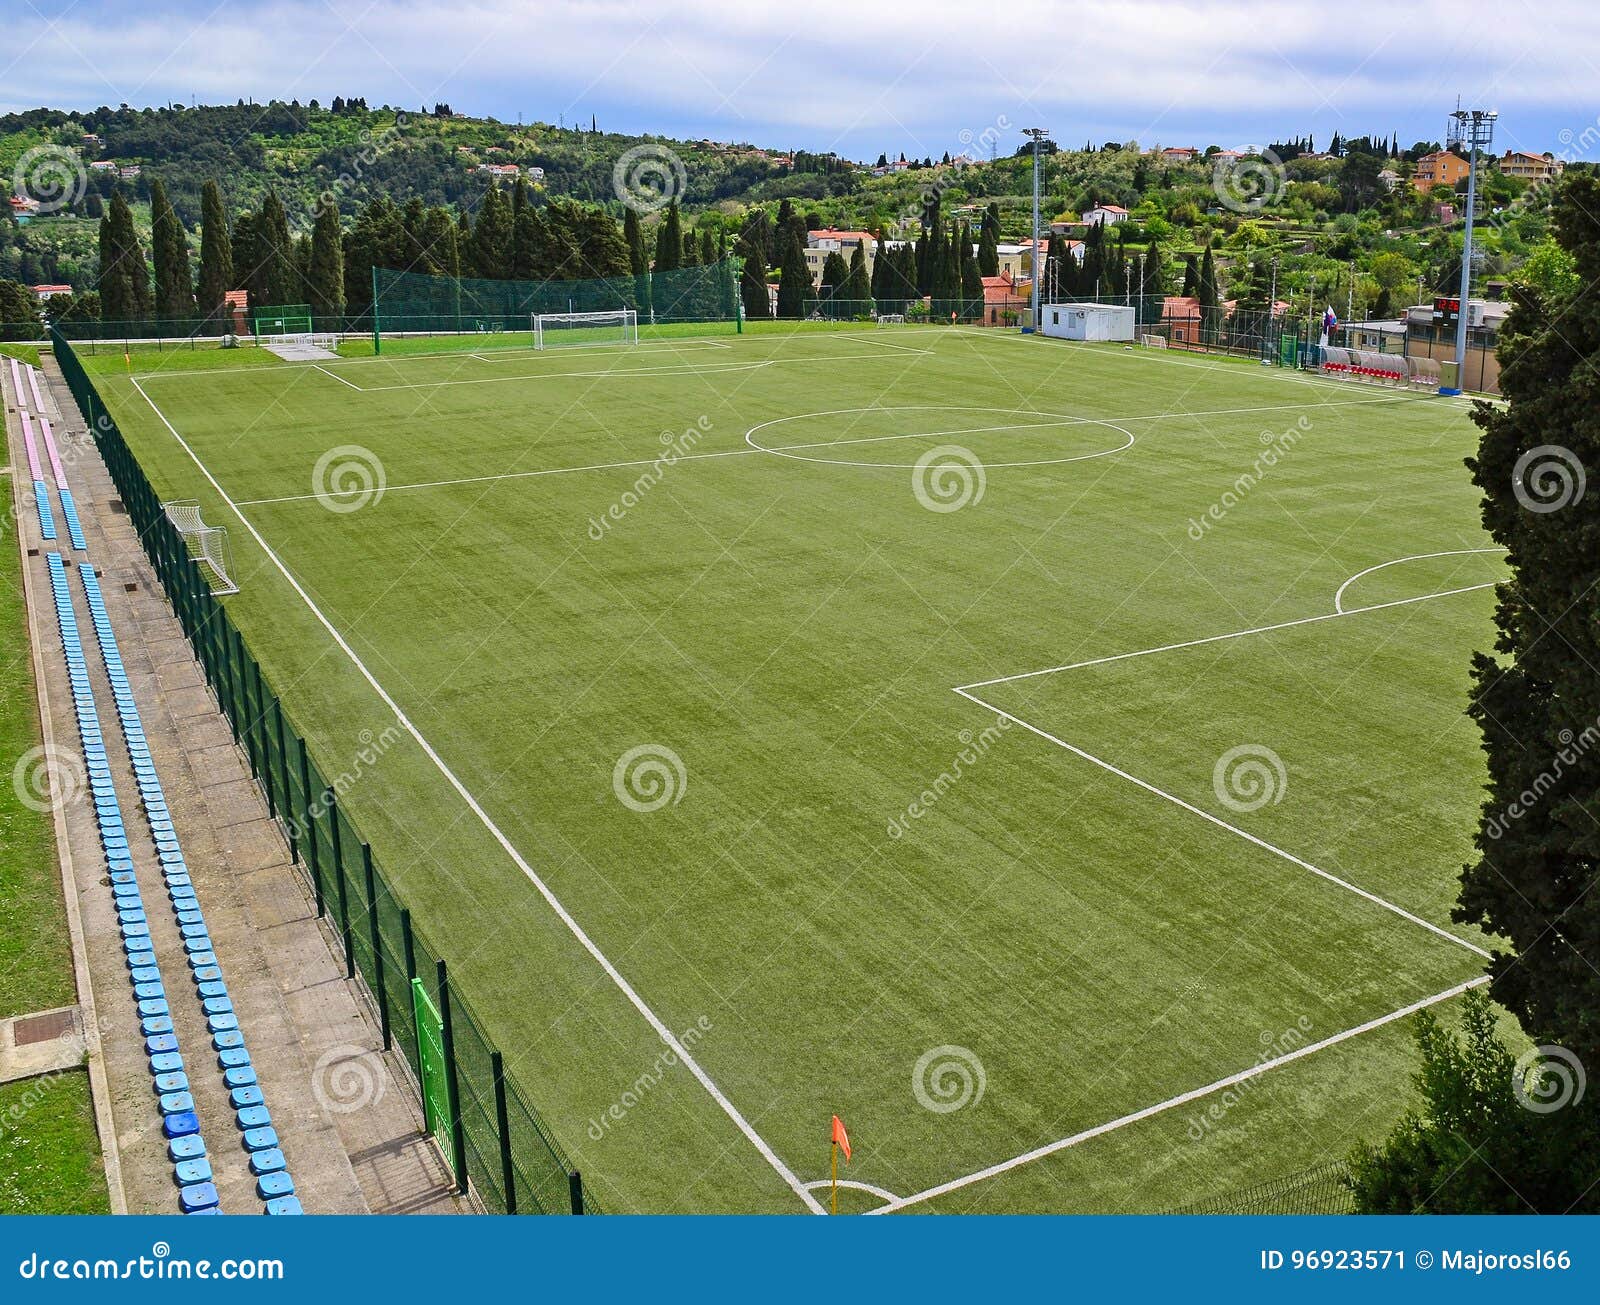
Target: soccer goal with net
x,y
563,330
208,545
283,321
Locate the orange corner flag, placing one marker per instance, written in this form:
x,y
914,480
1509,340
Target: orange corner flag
x,y
841,1139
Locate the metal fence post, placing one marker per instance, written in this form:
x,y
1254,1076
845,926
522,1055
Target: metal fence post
x,y
458,1133
370,877
286,799
331,803
508,1172
313,857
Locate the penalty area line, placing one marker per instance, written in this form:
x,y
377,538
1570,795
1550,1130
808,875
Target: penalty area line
x,y
1248,837
566,917
1171,1103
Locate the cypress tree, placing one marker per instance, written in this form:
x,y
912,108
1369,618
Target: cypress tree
x,y
669,241
835,272
795,293
274,273
325,265
638,260
691,250
525,235
1210,295
988,254
490,249
216,253
857,292
602,250
708,247
170,246
1533,885
1191,277
971,279
124,277
752,248
1152,288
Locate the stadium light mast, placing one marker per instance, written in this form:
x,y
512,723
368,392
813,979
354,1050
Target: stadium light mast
x,y
1474,130
1035,134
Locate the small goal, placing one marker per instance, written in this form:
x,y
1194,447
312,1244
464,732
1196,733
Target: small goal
x,y
208,545
564,330
891,319
1153,341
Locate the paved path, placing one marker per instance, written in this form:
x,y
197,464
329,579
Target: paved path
x,y
311,1032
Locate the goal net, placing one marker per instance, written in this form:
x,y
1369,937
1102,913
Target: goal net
x,y
208,545
283,321
563,330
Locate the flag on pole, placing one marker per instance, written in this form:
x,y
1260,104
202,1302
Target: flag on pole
x,y
841,1139
1330,321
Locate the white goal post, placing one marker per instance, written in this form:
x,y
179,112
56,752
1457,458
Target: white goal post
x,y
208,545
607,326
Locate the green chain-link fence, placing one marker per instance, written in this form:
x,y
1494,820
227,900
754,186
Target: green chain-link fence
x,y
495,1142
1321,1189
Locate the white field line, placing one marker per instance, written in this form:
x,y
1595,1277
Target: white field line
x,y
882,1193
786,448
624,373
337,377
1232,634
566,917
1338,597
1184,1098
511,352
1232,829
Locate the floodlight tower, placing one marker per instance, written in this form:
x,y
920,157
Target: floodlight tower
x,y
1035,134
1472,129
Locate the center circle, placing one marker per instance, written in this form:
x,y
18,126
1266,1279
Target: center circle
x,y
1028,420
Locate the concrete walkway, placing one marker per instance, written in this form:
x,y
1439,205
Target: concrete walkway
x,y
310,1032
44,1042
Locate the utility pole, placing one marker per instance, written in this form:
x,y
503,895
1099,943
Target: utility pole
x,y
1473,128
1350,303
1035,134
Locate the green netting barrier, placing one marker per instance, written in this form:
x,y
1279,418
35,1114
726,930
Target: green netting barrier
x,y
413,302
495,1142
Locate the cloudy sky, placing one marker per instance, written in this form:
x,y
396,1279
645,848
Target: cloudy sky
x,y
922,76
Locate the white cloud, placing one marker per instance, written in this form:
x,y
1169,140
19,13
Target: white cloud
x,y
905,76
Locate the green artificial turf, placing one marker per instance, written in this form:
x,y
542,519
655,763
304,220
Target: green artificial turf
x,y
858,868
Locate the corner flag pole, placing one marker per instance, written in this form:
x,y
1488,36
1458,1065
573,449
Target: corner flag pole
x,y
833,1204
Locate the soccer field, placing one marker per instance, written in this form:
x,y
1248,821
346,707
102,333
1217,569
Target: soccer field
x,y
1049,758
